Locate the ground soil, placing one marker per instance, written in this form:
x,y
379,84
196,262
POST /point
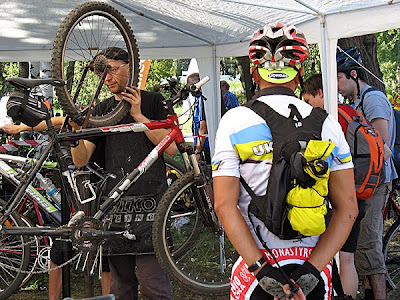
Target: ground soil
x,y
38,290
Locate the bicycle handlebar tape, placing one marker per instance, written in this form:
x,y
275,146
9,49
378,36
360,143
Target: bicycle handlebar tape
x,y
202,82
101,64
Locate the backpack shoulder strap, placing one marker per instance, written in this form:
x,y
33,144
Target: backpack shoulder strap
x,y
281,127
344,115
361,104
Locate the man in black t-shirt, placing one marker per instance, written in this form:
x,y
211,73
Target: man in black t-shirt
x,y
122,153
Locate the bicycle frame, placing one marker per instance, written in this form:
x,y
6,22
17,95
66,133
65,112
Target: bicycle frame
x,y
391,203
175,135
10,174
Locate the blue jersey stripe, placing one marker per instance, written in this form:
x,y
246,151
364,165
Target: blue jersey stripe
x,y
259,132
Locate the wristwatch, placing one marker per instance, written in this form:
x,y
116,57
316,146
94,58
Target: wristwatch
x,y
257,264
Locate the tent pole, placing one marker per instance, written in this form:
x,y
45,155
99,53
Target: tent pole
x,y
325,66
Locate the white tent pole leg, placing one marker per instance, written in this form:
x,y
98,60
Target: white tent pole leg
x,y
332,78
210,66
328,67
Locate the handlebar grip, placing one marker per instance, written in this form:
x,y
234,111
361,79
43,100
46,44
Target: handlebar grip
x,y
202,82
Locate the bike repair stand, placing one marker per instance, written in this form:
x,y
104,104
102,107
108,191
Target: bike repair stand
x,y
67,247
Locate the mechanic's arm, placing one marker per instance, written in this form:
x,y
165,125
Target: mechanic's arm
x,y
82,153
42,126
226,194
382,126
343,197
155,136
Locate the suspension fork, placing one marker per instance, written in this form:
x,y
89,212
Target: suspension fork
x,y
203,192
205,197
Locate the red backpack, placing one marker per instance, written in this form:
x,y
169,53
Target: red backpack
x,y
366,146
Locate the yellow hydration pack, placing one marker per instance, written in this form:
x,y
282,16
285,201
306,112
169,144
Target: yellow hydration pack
x,y
308,203
294,204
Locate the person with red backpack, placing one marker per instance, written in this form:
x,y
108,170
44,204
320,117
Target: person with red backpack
x,y
314,95
377,110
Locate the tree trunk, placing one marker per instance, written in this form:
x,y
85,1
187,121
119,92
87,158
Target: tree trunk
x,y
367,46
245,76
23,69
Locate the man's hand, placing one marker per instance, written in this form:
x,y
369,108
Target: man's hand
x,y
306,276
132,95
13,129
74,126
297,296
272,281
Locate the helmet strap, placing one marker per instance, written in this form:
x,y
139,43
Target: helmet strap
x,y
302,89
348,75
254,84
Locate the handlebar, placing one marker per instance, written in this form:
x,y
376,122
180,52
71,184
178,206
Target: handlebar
x,y
202,82
183,93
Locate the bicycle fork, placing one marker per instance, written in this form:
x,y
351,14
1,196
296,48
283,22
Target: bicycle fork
x,y
205,199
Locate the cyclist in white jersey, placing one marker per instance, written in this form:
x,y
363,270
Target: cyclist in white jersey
x,y
244,149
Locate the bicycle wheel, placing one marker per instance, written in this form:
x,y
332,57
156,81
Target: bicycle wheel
x,y
34,256
174,169
14,257
186,246
391,251
85,31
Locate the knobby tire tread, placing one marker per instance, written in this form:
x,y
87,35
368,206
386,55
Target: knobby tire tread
x,y
393,230
57,65
161,249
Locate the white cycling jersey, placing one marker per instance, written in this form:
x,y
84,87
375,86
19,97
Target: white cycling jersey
x,y
243,146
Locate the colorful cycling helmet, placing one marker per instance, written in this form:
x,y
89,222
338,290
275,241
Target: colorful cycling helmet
x,y
278,51
348,59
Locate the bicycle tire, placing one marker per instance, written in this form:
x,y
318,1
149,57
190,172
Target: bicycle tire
x,y
174,169
391,252
190,253
34,255
12,255
85,31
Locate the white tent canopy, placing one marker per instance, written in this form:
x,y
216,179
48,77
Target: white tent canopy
x,y
206,29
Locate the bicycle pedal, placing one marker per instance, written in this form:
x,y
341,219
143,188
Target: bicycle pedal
x,y
77,216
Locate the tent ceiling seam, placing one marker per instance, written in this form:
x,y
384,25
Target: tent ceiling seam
x,y
161,22
270,6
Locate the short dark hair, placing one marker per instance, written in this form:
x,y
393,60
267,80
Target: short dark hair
x,y
313,84
193,78
225,84
115,53
359,70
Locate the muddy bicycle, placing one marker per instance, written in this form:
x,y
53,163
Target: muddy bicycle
x,y
181,248
391,240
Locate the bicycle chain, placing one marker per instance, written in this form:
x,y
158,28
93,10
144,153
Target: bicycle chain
x,y
39,238
42,271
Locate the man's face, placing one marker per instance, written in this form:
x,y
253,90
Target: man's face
x,y
223,89
117,76
315,101
346,86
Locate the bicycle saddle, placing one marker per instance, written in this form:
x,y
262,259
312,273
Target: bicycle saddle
x,y
31,83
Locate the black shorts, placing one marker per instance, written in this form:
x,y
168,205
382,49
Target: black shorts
x,y
57,255
351,243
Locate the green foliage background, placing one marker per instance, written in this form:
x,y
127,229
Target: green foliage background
x,y
388,56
